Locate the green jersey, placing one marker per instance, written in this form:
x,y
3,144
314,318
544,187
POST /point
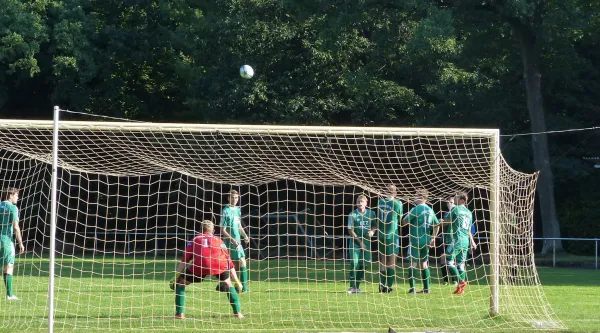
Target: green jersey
x,y
389,213
8,214
231,219
462,219
447,229
361,224
421,218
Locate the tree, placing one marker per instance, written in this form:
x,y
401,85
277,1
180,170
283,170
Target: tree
x,y
535,25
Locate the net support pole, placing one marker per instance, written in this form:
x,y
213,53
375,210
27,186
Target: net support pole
x,y
495,225
53,213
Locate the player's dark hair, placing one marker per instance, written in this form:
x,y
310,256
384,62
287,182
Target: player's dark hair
x,y
9,191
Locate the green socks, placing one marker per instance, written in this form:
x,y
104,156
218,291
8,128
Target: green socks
x,y
234,300
453,272
8,283
244,278
462,274
411,277
352,276
425,275
180,299
391,277
360,275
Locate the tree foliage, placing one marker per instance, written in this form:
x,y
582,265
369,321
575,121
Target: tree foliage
x,y
455,63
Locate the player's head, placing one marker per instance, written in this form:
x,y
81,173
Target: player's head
x,y
450,203
361,201
11,195
391,191
234,197
208,227
461,198
420,197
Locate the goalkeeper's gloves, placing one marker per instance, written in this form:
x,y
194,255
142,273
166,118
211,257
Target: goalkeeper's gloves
x,y
172,282
238,286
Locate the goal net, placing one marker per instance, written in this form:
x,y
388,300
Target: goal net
x,y
131,195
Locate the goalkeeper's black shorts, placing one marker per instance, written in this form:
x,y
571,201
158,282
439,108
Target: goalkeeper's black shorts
x,y
192,278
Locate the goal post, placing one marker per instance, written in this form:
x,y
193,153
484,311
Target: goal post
x,y
495,224
107,207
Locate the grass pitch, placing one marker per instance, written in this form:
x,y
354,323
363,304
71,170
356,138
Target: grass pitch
x,y
95,295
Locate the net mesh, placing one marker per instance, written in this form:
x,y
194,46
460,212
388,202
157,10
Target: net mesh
x,y
131,195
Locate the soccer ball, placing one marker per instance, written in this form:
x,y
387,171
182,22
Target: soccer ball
x,y
246,72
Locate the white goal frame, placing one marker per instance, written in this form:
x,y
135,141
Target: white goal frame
x,y
56,125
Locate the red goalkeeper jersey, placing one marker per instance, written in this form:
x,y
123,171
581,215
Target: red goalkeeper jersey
x,y
209,254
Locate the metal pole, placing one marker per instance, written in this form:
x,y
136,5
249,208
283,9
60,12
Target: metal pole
x,y
495,224
53,213
596,254
554,253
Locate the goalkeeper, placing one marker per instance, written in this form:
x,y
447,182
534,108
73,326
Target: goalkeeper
x,y
205,255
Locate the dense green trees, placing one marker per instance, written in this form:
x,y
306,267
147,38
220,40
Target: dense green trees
x,y
519,65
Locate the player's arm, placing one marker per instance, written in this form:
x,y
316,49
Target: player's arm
x,y
18,231
373,226
406,219
352,233
472,241
187,258
435,232
243,232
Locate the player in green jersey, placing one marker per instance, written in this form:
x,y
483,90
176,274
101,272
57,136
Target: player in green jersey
x,y
389,211
9,223
447,241
421,220
232,230
360,222
461,220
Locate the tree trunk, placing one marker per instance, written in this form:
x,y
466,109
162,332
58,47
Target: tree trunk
x,y
541,156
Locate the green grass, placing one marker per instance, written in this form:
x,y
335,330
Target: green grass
x,y
134,295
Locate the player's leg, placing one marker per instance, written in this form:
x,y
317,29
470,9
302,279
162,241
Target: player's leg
x,y
424,262
461,258
382,264
239,257
365,258
182,281
451,263
352,269
7,256
391,253
232,295
244,273
442,263
413,257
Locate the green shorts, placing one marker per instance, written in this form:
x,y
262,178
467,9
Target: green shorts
x,y
459,255
387,246
237,253
358,254
419,253
7,253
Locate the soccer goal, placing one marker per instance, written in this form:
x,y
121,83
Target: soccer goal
x,y
107,208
